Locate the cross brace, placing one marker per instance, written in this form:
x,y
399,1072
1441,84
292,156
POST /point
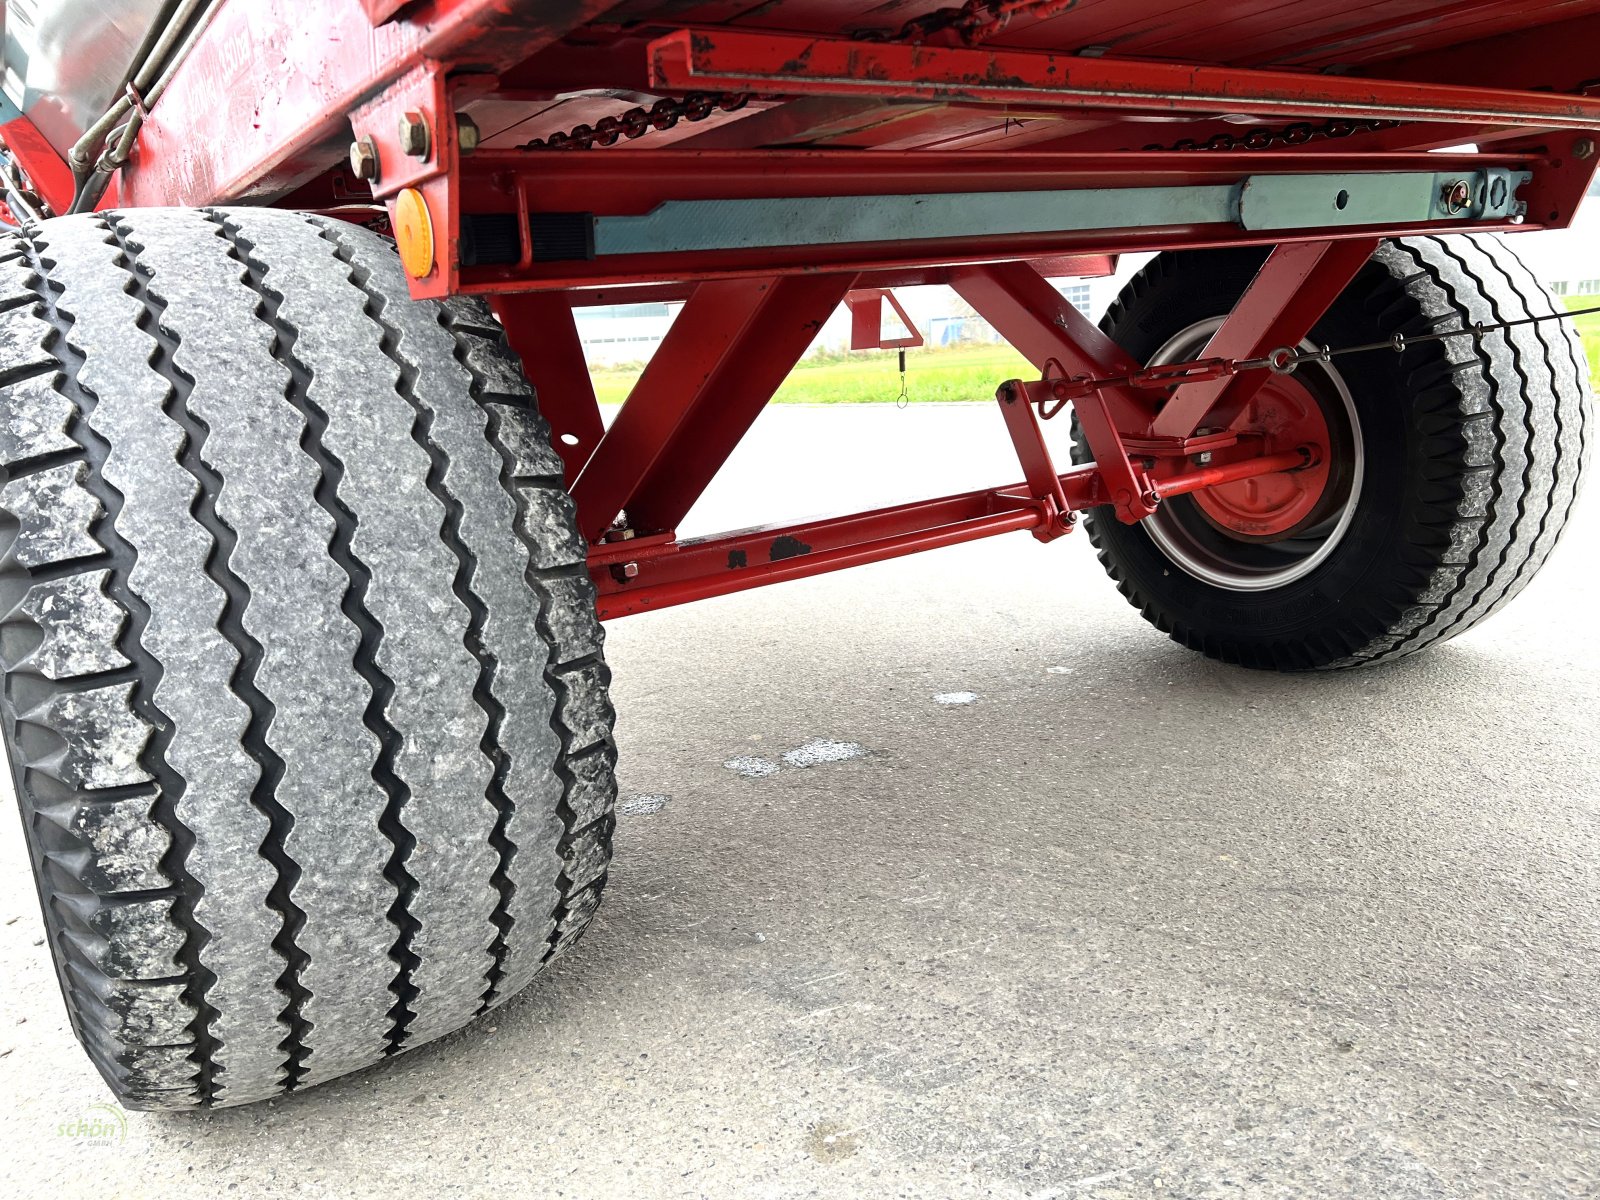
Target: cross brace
x,y
735,341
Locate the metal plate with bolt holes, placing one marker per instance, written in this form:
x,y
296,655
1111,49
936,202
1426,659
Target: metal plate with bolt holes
x,y
1260,202
1297,201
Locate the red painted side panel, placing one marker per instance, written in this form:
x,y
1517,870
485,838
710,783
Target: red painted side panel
x,y
263,102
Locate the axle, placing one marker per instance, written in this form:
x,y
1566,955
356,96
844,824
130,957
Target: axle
x,y
637,574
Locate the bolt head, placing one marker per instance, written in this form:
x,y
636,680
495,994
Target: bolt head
x,y
364,159
1583,148
467,133
414,138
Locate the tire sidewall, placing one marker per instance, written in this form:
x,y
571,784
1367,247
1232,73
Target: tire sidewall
x,y
1383,391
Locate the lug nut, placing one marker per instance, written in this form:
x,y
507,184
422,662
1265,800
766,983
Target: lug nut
x,y
467,134
414,137
364,159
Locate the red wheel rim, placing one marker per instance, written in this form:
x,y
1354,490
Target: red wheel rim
x,y
1284,415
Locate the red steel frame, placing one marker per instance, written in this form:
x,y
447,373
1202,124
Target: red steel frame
x,y
226,132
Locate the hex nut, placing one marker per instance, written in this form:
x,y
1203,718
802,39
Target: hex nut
x,y
364,159
467,133
414,136
1583,148
1455,196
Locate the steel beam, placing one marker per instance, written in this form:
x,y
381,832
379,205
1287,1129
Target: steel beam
x,y
1289,294
719,364
1087,266
721,59
636,180
1258,202
590,190
699,569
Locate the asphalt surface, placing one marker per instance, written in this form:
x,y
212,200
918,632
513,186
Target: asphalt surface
x,y
1087,914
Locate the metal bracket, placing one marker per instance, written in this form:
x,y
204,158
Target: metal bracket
x,y
866,321
409,136
1044,484
1302,201
1129,490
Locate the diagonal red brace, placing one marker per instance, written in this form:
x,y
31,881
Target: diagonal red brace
x,y
723,358
1294,287
1029,313
541,329
1035,318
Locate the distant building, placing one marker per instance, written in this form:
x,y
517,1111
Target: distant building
x,y
623,333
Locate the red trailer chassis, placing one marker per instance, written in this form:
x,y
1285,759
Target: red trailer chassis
x,y
793,153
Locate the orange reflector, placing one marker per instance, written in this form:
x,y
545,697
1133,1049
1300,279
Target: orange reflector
x,y
413,230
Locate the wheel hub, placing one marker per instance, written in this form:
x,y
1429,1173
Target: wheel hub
x,y
1283,415
1269,530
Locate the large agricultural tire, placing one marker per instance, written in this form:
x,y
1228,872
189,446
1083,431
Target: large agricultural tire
x,y
303,689
1460,463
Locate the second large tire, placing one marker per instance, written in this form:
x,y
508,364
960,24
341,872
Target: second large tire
x,y
303,694
1462,461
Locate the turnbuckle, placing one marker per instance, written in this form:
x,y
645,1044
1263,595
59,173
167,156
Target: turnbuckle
x,y
1062,388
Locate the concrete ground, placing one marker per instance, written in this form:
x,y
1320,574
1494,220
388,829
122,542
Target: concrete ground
x,y
1124,923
